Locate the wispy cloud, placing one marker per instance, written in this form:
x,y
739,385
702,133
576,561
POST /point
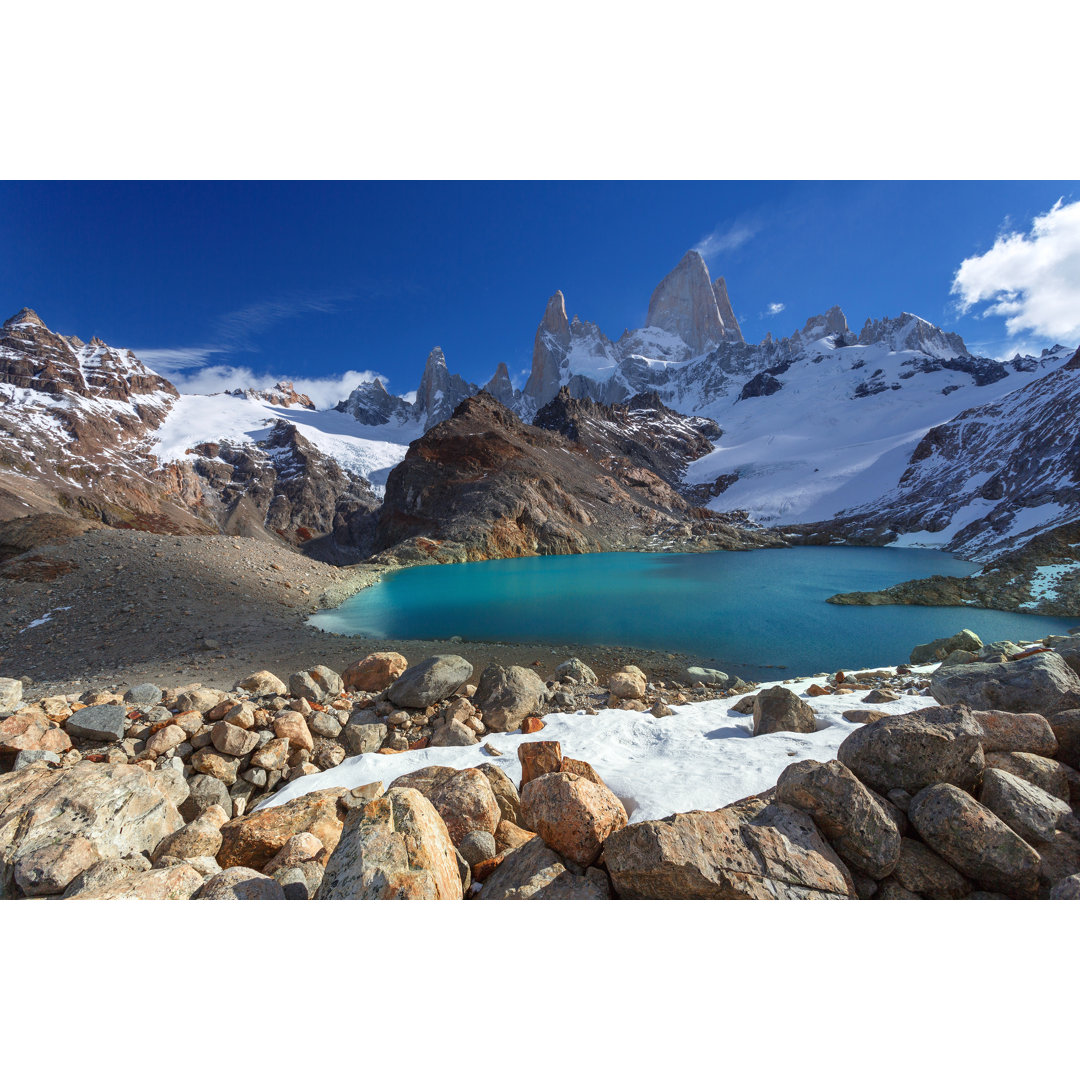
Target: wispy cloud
x,y
325,392
237,329
728,237
1032,279
773,309
165,361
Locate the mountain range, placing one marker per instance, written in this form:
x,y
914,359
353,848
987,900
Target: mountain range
x,y
681,433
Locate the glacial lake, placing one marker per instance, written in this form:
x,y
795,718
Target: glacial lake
x,y
757,614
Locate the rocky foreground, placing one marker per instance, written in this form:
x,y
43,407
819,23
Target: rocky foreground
x,y
166,793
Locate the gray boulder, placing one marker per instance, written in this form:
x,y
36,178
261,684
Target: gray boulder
x,y
144,694
1028,810
240,883
1042,684
476,846
939,649
975,841
364,733
454,733
102,723
1066,729
779,709
1052,776
316,684
915,750
708,676
576,669
11,693
28,757
928,875
430,681
506,695
535,872
1067,889
204,791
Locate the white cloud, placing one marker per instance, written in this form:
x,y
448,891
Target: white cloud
x,y
325,392
729,238
1032,280
775,308
165,361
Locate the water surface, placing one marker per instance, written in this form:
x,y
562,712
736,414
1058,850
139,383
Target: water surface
x,y
747,612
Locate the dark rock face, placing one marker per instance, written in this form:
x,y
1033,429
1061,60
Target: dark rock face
x,y
1042,683
764,384
484,485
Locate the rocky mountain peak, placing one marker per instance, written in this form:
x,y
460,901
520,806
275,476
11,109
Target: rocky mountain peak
x,y
1074,363
732,332
550,346
26,317
684,304
910,332
500,387
554,321
833,321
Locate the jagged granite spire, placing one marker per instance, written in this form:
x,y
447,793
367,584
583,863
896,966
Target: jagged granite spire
x,y
732,332
549,351
684,304
500,387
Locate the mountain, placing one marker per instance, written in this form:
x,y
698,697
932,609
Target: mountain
x,y
485,485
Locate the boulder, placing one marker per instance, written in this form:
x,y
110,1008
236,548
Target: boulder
x,y
476,846
778,709
394,848
974,840
572,815
375,672
221,767
178,882
771,853
466,803
201,699
430,681
849,815
11,693
105,872
424,780
1029,811
922,872
454,733
168,738
115,808
230,739
204,791
1066,729
263,684
29,731
202,837
506,795
915,750
1027,733
1058,859
272,755
240,883
581,768
533,871
577,670
538,758
1052,776
301,848
144,694
506,695
508,835
48,870
293,727
1042,684
253,840
942,647
628,684
101,723
26,758
1066,889
317,684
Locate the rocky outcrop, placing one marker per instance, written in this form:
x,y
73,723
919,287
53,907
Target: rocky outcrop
x,y
685,304
283,394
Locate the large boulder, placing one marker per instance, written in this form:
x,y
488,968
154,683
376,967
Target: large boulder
x,y
394,848
1028,810
253,840
263,684
430,681
1066,729
928,875
11,692
629,684
317,684
179,882
571,814
774,852
1052,776
1042,684
577,670
375,672
29,731
532,871
506,695
364,733
970,837
915,750
933,651
425,780
205,791
240,883
778,709
100,723
466,803
1026,733
506,795
851,818
538,758
115,808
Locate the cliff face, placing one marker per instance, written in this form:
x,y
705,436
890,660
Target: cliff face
x,y
484,485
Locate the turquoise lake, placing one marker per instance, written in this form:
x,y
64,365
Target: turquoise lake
x,y
752,613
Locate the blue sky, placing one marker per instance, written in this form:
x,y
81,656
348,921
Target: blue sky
x,y
315,280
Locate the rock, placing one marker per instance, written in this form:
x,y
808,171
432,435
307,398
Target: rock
x,y
708,676
538,758
572,815
476,846
271,755
959,656
974,840
200,700
576,669
102,873
1051,776
324,725
170,883
301,848
913,751
534,872
939,649
1067,889
205,791
1058,859
242,715
1026,733
115,808
202,837
429,681
893,890
219,766
466,803
508,835
263,684
863,716
772,853
362,734
506,695
375,672
628,685
581,768
394,848
318,684
29,730
11,693
424,780
230,739
1042,684
240,883
879,697
25,758
926,874
168,738
292,726
778,709
255,839
1030,812
745,706
846,812
300,882
328,755
102,723
506,795
1066,729
144,694
48,870
454,733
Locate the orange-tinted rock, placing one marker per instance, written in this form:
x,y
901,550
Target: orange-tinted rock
x,y
813,690
573,815
375,672
532,724
293,726
538,758
483,870
29,731
466,802
509,836
581,768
